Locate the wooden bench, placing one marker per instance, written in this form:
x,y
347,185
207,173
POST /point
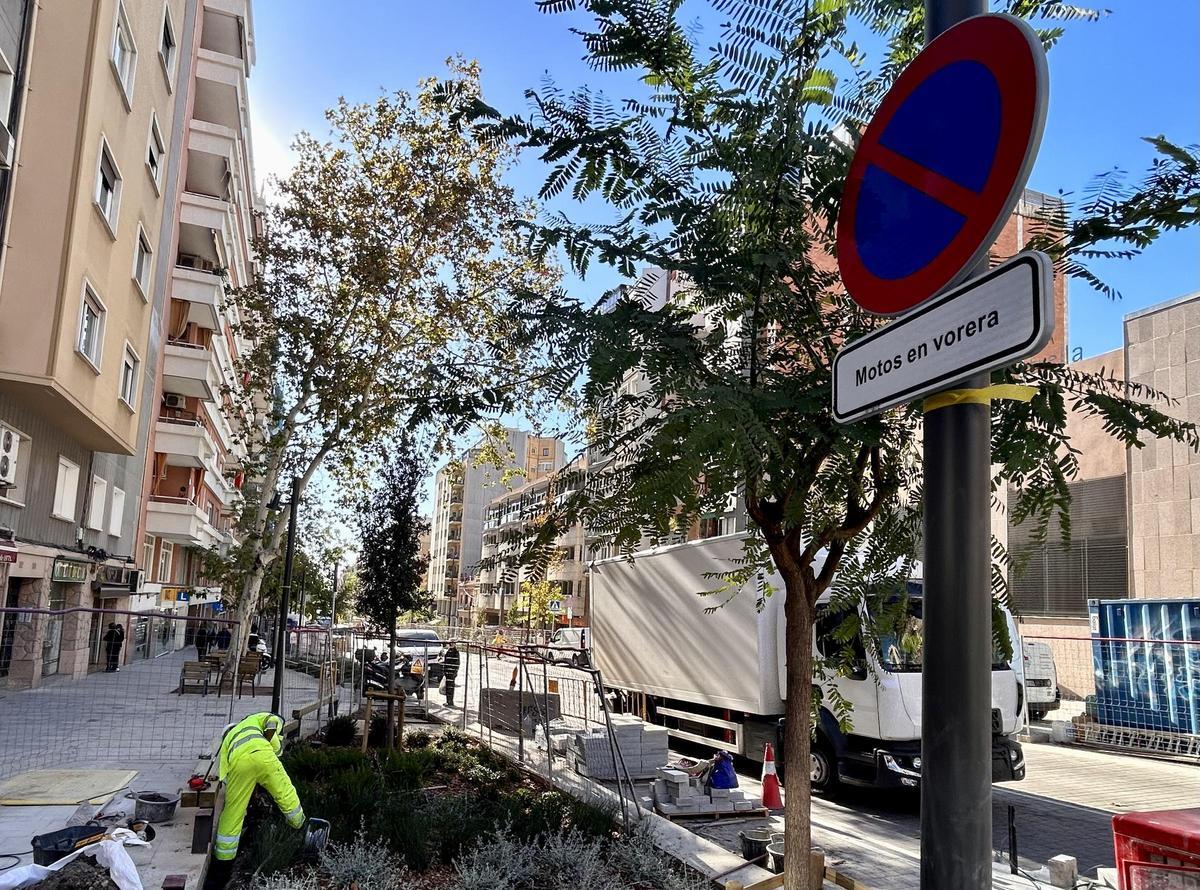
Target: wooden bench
x,y
194,673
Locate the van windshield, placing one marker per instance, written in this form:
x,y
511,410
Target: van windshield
x,y
902,645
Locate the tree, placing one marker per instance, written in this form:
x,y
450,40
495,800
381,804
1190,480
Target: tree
x,y
726,175
385,268
390,563
531,607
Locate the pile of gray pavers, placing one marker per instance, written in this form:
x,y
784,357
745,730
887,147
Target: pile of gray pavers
x,y
643,749
676,793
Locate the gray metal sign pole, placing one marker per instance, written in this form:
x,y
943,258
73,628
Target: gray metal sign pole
x,y
956,769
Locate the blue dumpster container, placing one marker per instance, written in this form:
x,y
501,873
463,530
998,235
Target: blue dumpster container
x,y
1146,657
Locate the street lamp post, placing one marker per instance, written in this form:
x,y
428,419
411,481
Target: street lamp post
x,y
281,630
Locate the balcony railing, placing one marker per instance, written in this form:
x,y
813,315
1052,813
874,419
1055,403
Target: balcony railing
x,y
179,416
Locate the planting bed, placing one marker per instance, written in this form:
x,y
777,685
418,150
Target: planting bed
x,y
443,813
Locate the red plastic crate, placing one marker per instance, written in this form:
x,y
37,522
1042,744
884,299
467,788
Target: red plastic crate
x,y
1169,838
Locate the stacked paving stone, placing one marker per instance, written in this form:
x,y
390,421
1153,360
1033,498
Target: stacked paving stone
x,y
678,794
643,748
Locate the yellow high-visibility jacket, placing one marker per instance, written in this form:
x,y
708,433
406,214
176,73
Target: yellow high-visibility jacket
x,y
246,760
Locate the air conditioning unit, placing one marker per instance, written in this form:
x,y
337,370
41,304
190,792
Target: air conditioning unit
x,y
9,444
171,400
136,579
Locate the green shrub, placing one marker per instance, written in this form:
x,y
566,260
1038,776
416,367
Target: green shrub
x,y
400,821
377,733
452,738
418,738
341,731
273,846
408,770
345,798
304,763
457,822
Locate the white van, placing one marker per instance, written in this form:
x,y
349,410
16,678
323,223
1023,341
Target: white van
x,y
570,645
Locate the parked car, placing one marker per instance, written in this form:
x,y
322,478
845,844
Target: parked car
x,y
570,645
1041,679
426,649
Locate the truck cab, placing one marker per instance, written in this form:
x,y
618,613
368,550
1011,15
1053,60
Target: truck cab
x,y
882,745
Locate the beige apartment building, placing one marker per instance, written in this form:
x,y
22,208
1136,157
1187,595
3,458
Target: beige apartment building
x,y
509,518
462,490
97,100
197,442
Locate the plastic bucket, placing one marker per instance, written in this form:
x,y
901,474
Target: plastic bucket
x,y
154,806
754,843
775,851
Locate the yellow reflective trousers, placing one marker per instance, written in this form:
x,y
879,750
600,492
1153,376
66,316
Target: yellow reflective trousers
x,y
248,759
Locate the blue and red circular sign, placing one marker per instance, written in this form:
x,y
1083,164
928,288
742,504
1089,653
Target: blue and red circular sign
x,y
941,165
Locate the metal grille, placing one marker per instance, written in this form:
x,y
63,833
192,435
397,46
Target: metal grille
x,y
1052,580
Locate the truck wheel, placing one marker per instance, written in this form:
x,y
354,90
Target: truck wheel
x,y
1037,713
824,767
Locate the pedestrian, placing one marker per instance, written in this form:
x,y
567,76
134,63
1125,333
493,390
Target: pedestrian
x,y
450,671
249,757
202,641
114,639
224,638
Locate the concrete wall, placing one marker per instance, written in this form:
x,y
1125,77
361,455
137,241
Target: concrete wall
x,y
1101,455
1162,351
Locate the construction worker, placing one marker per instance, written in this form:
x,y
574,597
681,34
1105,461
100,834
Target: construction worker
x,y
249,757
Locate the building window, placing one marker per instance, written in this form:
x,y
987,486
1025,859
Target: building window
x,y
208,509
156,152
545,452
66,489
164,562
117,513
96,504
129,375
91,328
108,189
143,259
124,55
147,553
167,46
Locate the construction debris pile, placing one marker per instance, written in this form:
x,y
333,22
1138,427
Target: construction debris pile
x,y
642,747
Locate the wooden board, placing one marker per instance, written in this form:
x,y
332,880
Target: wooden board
x,y
714,815
64,787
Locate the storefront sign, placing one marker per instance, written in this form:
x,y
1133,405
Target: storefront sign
x,y
70,571
114,576
8,554
174,594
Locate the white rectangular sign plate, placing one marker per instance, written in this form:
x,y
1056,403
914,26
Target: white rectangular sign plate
x,y
1002,316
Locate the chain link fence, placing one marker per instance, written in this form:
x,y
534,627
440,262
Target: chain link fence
x,y
102,687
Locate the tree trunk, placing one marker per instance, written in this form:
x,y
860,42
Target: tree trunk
x,y
391,702
798,738
243,613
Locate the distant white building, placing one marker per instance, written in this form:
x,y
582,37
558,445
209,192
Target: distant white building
x,y
462,489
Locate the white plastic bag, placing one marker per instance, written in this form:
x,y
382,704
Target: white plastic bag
x,y
108,853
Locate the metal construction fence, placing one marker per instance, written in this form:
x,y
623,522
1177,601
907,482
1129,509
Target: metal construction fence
x,y
1130,693
104,687
530,703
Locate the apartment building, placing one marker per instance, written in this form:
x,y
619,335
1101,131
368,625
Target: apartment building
x,y
510,516
197,441
463,489
102,104
93,102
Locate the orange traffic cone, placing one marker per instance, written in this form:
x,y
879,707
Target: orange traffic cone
x,y
771,798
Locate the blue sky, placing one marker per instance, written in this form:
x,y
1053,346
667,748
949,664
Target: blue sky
x,y
1131,75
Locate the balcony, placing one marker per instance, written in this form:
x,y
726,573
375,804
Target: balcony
x,y
455,519
188,370
184,440
227,30
220,88
180,520
203,292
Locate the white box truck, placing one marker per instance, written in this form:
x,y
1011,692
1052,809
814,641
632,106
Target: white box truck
x,y
718,679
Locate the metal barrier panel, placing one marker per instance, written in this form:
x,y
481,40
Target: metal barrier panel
x,y
1132,692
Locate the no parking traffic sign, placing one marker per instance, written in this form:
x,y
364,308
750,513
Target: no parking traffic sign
x,y
942,164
